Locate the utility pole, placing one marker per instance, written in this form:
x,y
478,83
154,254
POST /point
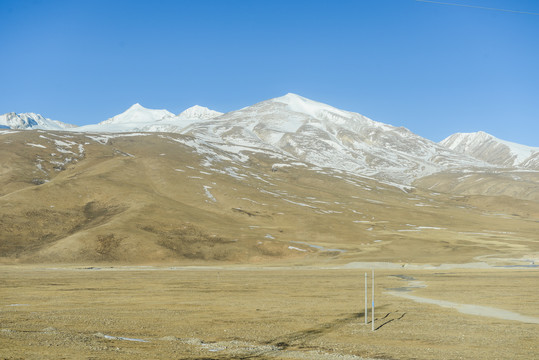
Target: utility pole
x,y
372,310
366,302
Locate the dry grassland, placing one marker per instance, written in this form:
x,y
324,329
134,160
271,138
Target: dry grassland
x,y
153,199
259,313
114,203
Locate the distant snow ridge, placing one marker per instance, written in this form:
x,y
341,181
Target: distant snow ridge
x,y
299,129
187,117
493,150
137,114
28,121
198,112
140,119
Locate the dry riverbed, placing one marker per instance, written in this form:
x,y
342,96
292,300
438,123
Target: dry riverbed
x,y
261,313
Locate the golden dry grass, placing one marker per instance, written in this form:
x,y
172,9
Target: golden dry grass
x,y
257,313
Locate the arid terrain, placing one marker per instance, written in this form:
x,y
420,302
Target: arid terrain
x,y
169,198
265,179
109,312
161,246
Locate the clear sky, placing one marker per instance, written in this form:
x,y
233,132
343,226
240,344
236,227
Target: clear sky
x,y
433,68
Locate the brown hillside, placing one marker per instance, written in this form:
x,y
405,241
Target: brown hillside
x,y
162,198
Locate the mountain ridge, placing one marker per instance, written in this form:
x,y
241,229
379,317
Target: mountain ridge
x,y
495,151
320,134
325,136
30,121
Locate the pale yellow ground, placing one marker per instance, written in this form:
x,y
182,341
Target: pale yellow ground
x,y
256,313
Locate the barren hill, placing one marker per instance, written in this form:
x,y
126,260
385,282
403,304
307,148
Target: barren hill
x,y
171,198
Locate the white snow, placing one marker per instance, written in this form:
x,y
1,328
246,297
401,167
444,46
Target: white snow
x,y
300,204
275,167
208,193
36,145
295,248
109,337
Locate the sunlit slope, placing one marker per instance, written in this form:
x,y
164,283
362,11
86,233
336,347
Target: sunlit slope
x,y
170,198
515,184
493,150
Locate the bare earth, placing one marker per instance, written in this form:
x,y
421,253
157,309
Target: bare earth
x,y
253,312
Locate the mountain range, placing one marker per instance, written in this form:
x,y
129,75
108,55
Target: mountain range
x,y
316,133
287,179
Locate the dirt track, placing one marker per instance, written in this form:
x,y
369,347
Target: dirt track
x,y
250,313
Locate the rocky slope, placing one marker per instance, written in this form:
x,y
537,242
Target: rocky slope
x,y
30,121
493,150
329,137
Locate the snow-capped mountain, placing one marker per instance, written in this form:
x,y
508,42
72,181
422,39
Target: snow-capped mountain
x,y
325,136
137,114
198,112
132,119
138,118
300,129
493,150
30,121
176,123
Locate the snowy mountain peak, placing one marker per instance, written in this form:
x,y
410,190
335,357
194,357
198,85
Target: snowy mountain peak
x,y
290,97
136,106
306,106
138,114
198,112
325,114
319,134
480,135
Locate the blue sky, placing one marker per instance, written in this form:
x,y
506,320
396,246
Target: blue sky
x,y
436,69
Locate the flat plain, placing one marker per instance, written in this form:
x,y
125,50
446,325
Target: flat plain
x,y
250,312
